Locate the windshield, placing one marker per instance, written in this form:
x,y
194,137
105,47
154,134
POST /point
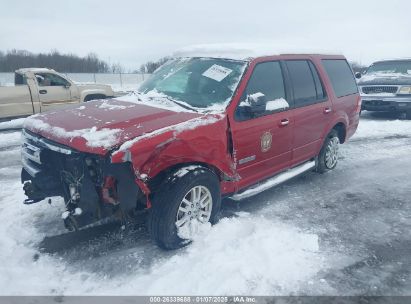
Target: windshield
x,y
197,82
402,67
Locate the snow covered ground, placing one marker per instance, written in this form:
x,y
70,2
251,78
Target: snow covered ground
x,y
347,232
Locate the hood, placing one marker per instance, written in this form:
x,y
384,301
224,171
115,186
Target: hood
x,y
385,79
92,84
101,125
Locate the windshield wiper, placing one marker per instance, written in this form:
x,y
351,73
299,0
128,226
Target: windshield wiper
x,y
181,104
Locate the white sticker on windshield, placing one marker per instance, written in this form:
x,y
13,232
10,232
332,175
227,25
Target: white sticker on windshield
x,y
217,72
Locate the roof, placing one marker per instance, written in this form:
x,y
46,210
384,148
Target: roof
x,y
34,70
394,59
241,51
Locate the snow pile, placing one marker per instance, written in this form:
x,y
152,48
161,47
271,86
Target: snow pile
x,y
277,104
271,105
381,128
105,137
190,229
245,255
12,124
9,140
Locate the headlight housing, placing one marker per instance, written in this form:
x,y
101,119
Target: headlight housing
x,y
405,90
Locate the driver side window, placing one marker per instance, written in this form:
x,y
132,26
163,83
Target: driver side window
x,y
47,80
264,94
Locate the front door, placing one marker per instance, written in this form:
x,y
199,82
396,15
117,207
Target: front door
x,y
54,91
262,126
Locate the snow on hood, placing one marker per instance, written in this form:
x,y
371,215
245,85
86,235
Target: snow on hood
x,y
385,78
97,126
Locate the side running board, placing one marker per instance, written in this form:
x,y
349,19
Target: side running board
x,y
274,181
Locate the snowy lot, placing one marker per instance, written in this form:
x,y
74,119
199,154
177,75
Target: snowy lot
x,y
347,232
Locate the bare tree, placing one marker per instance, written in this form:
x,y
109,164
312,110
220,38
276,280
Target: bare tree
x,y
66,63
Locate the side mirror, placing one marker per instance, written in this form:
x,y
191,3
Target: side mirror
x,y
67,86
358,75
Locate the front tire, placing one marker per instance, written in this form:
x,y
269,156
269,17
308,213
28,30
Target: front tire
x,y
182,203
328,157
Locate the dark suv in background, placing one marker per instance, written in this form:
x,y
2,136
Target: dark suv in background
x,y
386,86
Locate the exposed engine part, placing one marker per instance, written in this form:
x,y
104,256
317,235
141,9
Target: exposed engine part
x,y
92,187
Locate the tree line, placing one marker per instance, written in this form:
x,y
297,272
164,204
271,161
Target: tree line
x,y
70,63
65,63
150,66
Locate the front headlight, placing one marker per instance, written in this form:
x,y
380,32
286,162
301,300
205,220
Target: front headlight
x,y
405,90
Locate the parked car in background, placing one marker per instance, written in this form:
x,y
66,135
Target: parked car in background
x,y
386,86
200,128
38,90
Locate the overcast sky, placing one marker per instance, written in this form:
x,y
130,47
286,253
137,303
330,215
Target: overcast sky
x,y
133,32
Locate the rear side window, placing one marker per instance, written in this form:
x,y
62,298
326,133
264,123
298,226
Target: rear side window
x,y
306,83
341,77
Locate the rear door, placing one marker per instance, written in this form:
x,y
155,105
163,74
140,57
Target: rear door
x,y
347,101
312,109
262,126
54,90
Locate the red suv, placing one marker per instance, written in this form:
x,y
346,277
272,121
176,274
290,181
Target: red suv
x,y
199,129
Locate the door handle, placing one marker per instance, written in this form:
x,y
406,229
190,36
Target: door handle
x,y
327,110
284,122
43,91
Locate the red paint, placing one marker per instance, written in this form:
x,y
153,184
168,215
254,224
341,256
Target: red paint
x,y
109,191
300,140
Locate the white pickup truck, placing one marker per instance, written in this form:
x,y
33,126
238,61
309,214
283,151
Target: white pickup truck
x,y
39,89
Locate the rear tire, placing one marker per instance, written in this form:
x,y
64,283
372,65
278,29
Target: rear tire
x,y
328,157
171,198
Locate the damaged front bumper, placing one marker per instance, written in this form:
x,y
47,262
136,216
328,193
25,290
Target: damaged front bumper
x,y
92,187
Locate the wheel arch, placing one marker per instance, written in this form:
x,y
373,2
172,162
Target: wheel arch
x,y
164,175
341,129
95,95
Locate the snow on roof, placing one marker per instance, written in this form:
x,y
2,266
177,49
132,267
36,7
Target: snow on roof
x,y
34,70
241,51
394,59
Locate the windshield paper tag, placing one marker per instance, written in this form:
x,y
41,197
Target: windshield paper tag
x,y
217,72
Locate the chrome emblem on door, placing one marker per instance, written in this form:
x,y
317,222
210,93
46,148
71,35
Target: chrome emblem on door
x,y
266,141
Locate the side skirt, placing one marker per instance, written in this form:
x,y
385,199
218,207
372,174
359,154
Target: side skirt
x,y
274,181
